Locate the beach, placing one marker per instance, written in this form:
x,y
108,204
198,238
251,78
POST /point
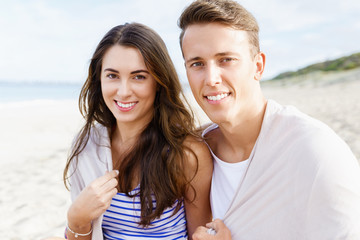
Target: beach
x,y
36,137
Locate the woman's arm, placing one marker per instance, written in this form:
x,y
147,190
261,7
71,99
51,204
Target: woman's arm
x,y
197,205
92,201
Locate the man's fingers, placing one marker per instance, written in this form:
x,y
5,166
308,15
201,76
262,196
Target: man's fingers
x,y
221,231
216,224
200,233
210,225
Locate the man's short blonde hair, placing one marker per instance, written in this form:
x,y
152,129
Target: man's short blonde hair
x,y
227,12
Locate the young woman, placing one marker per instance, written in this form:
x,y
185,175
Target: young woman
x,y
137,169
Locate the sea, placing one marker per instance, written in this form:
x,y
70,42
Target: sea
x,y
19,92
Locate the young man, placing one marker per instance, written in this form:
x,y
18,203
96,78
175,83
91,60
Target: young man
x,y
278,173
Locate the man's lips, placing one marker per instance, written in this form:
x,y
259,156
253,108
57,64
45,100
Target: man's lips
x,y
217,97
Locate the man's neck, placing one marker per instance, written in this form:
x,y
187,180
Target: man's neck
x,y
236,139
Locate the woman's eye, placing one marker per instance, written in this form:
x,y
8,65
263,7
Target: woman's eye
x,y
111,76
140,77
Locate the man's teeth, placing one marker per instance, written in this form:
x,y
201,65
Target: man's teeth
x,y
217,97
127,105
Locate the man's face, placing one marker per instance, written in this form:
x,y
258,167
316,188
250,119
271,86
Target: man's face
x,y
221,71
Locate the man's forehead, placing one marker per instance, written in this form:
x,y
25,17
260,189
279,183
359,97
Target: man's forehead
x,y
214,39
213,31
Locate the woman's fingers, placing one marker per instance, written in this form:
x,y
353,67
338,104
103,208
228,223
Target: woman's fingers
x,y
99,182
95,198
109,185
109,195
104,187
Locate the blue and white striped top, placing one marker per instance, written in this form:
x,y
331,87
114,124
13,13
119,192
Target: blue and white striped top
x,y
122,217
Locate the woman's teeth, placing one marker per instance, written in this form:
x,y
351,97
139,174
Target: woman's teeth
x,y
127,105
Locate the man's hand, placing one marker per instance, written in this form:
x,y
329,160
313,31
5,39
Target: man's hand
x,y
204,233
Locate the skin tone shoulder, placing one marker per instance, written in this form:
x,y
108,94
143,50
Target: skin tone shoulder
x,y
199,171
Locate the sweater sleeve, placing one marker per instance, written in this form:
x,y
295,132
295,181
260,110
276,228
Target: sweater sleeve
x,y
333,210
77,183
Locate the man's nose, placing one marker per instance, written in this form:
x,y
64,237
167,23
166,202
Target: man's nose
x,y
213,75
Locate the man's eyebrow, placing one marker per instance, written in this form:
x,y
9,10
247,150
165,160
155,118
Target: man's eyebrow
x,y
194,59
221,54
224,54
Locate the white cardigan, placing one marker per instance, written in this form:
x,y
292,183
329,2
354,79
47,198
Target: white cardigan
x,y
93,162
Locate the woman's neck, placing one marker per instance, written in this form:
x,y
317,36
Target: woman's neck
x,y
123,138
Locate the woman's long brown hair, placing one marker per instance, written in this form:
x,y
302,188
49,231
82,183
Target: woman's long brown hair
x,y
159,153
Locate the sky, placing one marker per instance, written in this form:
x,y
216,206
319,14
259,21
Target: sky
x,y
53,40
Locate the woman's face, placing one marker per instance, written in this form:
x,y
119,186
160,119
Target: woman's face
x,y
127,86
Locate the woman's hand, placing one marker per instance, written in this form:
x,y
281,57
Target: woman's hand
x,y
92,202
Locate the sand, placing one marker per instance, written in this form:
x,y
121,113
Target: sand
x,y
35,138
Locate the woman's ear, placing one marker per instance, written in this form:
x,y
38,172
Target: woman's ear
x,y
260,65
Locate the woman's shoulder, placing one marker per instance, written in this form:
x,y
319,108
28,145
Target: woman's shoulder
x,y
92,144
98,136
196,144
197,152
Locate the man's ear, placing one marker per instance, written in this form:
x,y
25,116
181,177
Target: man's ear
x,y
260,65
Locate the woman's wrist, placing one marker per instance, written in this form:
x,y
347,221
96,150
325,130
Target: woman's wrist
x,y
77,223
77,228
77,233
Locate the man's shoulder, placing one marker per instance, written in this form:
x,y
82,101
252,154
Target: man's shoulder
x,y
211,134
289,119
287,129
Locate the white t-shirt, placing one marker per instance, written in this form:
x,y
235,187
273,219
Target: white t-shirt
x,y
225,181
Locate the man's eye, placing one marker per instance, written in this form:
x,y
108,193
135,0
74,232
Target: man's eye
x,y
196,64
227,59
